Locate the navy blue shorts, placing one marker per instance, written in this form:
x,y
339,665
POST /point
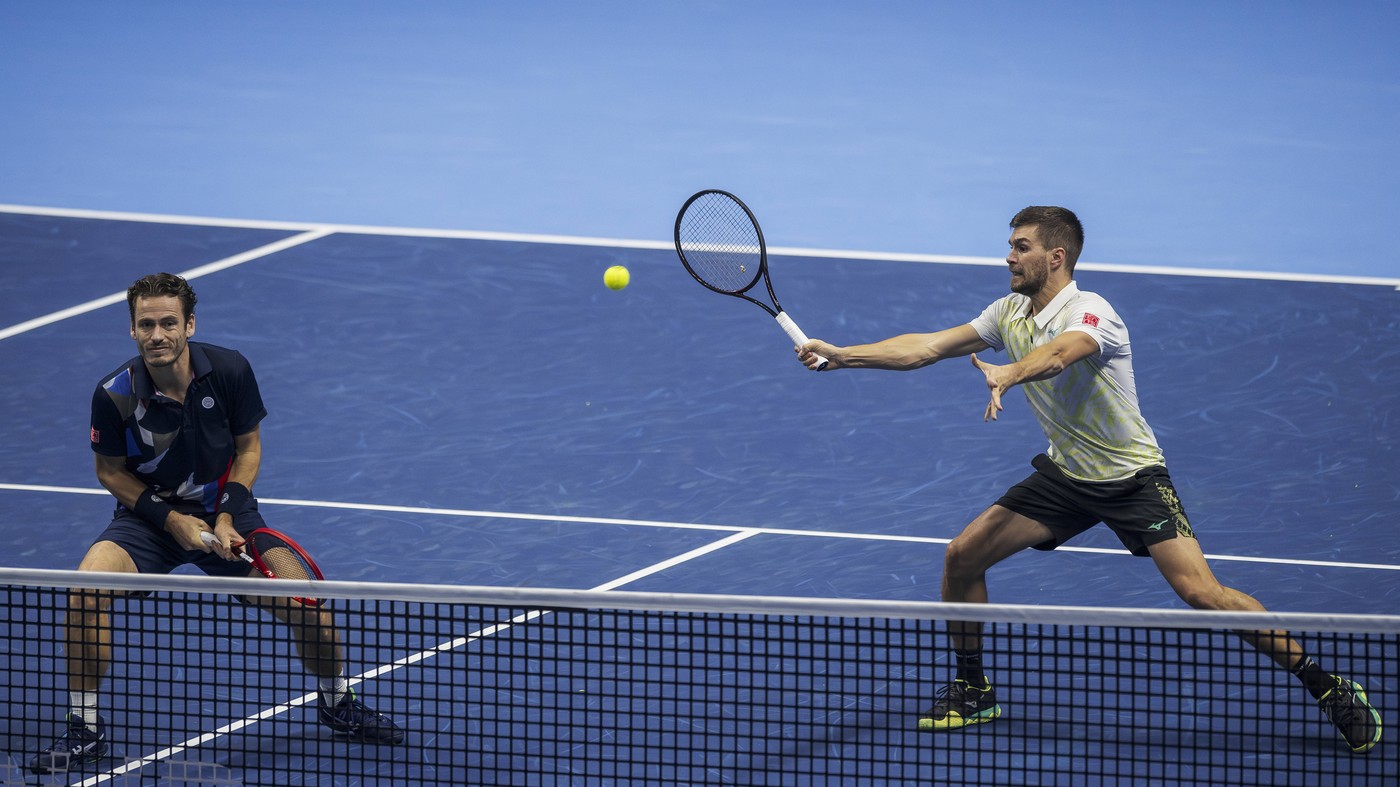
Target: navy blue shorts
x,y
1141,510
157,552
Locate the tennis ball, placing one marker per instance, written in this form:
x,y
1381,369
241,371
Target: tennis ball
x,y
616,277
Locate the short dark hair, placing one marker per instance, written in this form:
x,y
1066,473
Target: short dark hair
x,y
158,285
1059,228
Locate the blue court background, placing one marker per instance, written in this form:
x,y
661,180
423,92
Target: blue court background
x,y
462,374
1249,134
552,433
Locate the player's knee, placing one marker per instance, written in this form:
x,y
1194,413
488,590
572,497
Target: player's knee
x,y
960,560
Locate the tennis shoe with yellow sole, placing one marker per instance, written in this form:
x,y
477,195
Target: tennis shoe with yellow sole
x,y
959,705
1346,707
79,744
354,719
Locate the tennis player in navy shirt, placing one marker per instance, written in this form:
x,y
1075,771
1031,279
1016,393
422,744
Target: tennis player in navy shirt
x,y
175,434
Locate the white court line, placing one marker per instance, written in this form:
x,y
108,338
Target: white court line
x,y
769,531
192,273
575,240
443,647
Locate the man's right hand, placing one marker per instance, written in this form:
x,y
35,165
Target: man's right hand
x,y
186,529
814,352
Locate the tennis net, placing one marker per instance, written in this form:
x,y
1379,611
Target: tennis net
x,y
531,686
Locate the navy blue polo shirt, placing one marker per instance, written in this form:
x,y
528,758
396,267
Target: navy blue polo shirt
x,y
183,450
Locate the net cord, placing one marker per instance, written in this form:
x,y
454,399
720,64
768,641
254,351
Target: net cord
x,y
558,598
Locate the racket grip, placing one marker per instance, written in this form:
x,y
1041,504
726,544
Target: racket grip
x,y
213,541
798,337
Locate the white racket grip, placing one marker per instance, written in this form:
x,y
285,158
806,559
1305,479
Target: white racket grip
x,y
798,337
213,541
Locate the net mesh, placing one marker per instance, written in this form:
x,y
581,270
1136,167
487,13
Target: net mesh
x,y
720,243
515,686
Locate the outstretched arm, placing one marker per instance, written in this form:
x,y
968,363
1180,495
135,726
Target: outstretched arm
x,y
1042,363
899,353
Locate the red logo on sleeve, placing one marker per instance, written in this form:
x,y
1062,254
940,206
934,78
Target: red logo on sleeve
x,y
96,437
1090,319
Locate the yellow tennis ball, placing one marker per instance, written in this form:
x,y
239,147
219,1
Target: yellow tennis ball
x,y
616,277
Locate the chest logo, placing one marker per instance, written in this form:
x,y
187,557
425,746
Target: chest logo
x,y
207,402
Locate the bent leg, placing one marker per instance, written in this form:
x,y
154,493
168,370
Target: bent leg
x,y
318,645
87,645
314,634
88,625
993,536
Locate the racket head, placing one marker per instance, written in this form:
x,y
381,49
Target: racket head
x,y
277,556
720,243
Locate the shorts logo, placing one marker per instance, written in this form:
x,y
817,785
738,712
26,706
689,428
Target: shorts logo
x,y
1157,526
208,402
1168,495
1090,319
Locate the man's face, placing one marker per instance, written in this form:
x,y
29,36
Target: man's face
x,y
1028,260
161,330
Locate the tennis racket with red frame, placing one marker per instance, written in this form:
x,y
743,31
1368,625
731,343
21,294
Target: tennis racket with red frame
x,y
275,556
719,241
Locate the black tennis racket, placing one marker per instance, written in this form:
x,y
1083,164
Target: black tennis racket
x,y
275,556
720,243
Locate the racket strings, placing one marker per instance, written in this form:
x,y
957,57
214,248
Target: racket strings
x,y
720,243
282,560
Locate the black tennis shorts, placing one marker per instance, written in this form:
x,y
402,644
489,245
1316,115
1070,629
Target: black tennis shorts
x,y
1141,510
157,552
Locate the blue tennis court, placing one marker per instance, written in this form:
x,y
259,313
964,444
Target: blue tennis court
x,y
472,410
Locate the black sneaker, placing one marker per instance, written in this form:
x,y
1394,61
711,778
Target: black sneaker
x,y
960,705
1346,706
79,744
353,718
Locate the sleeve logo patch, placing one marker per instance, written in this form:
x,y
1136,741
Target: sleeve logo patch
x,y
95,435
1090,319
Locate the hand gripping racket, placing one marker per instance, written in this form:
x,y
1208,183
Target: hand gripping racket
x,y
275,556
719,242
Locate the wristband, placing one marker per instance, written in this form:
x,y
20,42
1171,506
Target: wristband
x,y
234,499
152,507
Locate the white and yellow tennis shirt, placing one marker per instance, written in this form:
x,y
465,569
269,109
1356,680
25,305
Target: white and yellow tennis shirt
x,y
1090,410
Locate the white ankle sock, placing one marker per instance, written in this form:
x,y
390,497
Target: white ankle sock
x,y
85,706
334,687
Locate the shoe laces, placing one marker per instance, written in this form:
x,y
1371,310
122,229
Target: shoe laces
x,y
955,693
1340,706
351,710
77,728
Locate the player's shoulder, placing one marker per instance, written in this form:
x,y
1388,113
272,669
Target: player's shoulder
x,y
220,359
123,372
1087,299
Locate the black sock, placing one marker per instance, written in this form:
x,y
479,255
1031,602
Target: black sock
x,y
970,668
1314,679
